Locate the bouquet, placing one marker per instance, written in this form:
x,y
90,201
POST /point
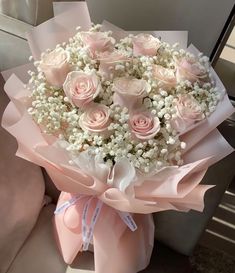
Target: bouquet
x,y
124,125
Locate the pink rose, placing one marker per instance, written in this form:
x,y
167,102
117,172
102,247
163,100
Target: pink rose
x,y
81,88
145,44
190,70
108,60
144,125
129,91
97,42
188,111
165,76
55,66
95,119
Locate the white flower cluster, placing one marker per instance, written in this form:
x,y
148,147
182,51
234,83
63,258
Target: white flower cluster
x,y
76,97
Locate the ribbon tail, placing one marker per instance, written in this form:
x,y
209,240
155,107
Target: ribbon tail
x,y
68,231
117,248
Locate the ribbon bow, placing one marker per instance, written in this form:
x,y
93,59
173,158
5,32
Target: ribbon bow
x,y
88,229
119,246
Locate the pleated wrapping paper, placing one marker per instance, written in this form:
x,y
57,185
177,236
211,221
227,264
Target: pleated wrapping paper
x,y
117,247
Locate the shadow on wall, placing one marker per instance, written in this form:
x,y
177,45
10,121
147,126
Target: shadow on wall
x,y
220,232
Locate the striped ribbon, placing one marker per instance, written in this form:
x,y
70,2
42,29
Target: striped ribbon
x,y
88,230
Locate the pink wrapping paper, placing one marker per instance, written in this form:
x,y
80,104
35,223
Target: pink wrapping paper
x,y
115,246
127,247
20,71
172,187
58,29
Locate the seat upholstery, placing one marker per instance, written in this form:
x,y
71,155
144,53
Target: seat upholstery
x,y
21,195
32,12
40,253
12,37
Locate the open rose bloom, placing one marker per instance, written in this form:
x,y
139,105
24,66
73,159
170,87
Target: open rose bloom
x,y
119,147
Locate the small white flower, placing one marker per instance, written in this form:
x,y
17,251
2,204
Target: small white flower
x,y
50,107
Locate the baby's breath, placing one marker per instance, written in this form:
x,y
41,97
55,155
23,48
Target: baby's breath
x,y
52,111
